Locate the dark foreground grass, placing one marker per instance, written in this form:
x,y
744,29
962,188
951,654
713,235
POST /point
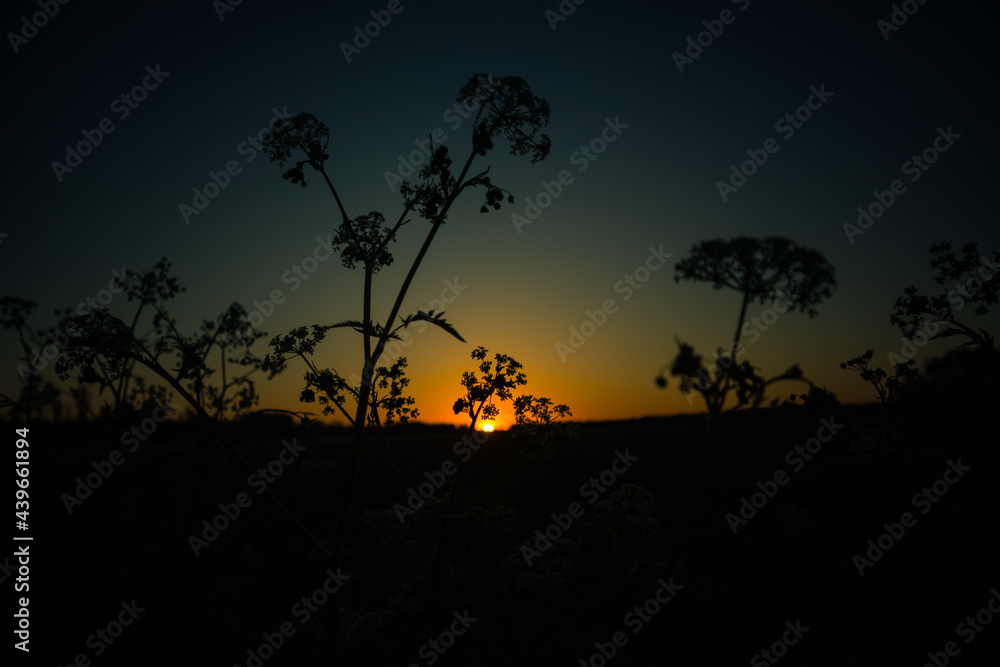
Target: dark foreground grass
x,y
792,561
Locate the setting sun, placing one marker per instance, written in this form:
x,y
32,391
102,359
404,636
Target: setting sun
x,y
487,427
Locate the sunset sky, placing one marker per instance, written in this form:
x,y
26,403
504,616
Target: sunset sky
x,y
661,141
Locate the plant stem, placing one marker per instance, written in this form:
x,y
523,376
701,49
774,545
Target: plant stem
x,y
365,390
739,324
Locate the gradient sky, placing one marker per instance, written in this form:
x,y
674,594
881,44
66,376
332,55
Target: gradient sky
x,y
654,186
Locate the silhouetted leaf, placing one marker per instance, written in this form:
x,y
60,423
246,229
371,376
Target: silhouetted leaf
x,y
433,319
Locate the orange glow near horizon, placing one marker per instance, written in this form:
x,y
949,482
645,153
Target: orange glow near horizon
x,y
611,377
631,400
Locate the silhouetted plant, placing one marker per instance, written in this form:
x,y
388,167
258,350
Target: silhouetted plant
x,y
715,387
534,418
886,387
35,395
916,313
35,399
507,109
104,350
329,388
496,382
14,314
537,427
724,377
463,517
761,270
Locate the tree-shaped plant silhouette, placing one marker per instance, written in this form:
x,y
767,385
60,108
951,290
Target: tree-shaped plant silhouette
x,y
761,270
972,281
495,382
535,418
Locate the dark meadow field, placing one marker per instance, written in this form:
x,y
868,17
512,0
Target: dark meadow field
x,y
454,585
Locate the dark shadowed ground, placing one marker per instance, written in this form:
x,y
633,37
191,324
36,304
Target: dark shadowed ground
x,y
793,561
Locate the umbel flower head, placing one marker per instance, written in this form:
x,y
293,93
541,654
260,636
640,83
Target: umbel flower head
x,y
364,240
302,132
